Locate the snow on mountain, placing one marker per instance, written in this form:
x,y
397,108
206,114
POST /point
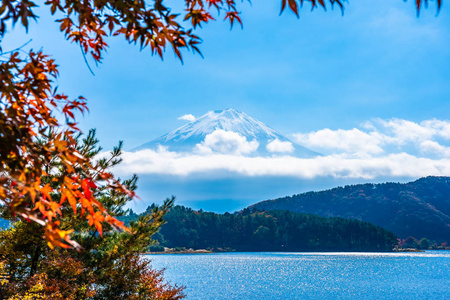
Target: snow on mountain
x,y
228,131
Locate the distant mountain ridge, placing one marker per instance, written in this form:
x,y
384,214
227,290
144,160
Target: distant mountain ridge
x,y
420,208
187,137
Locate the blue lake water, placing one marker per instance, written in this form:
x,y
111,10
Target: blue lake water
x,y
265,276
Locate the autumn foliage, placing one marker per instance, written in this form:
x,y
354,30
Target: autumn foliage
x,y
42,165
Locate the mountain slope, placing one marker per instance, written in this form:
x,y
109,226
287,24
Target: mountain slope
x,y
420,208
265,139
268,231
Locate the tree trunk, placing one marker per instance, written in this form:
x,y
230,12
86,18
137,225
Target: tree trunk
x,y
35,260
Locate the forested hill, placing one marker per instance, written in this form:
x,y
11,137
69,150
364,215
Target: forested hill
x,y
269,231
420,209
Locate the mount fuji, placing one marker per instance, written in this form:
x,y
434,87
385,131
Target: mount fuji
x,y
228,132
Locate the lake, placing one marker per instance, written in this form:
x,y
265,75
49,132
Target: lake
x,y
264,276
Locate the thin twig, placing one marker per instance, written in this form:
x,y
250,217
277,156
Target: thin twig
x,y
16,49
85,60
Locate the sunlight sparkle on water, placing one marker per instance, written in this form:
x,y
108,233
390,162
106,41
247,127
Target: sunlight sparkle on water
x,y
418,275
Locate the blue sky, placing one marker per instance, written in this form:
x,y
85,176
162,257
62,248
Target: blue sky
x,y
376,63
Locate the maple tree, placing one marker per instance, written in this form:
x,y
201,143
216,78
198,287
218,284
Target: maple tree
x,y
31,136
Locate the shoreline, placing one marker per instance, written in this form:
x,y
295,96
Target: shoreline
x,y
204,251
189,251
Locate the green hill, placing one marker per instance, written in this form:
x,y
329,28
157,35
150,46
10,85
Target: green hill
x,y
269,231
420,209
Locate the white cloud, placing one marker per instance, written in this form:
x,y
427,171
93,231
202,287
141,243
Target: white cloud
x,y
348,141
432,147
188,117
403,131
378,137
226,142
279,146
163,162
441,128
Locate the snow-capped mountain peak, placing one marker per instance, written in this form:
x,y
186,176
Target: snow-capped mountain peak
x,y
208,130
228,120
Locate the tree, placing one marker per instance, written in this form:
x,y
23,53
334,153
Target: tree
x,y
424,243
110,267
410,242
32,137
